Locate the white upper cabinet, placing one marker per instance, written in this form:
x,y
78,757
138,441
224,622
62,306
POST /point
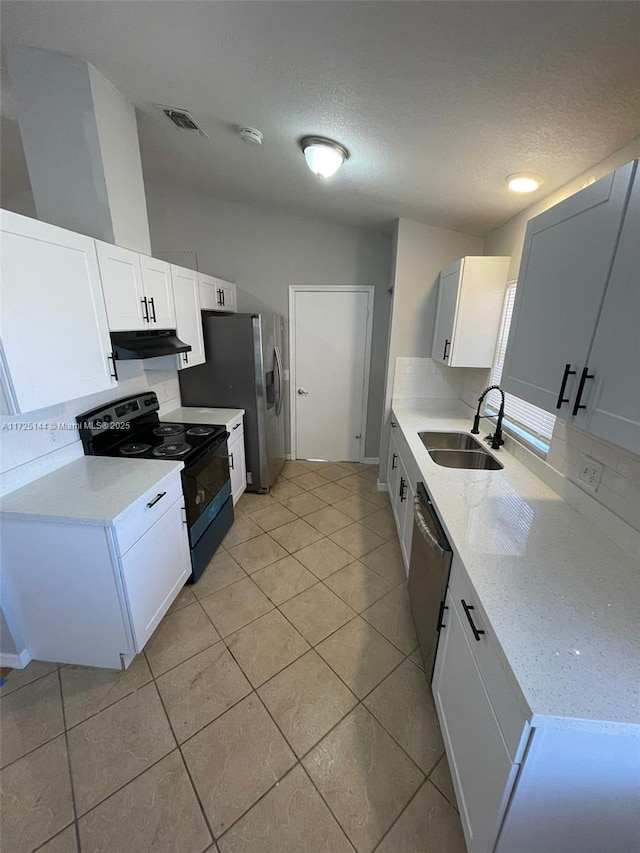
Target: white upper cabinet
x,y
566,263
470,298
216,294
186,293
156,279
611,399
53,324
137,289
123,288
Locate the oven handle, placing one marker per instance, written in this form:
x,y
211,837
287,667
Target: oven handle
x,y
279,371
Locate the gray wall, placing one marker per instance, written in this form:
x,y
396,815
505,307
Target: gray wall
x,y
264,252
420,252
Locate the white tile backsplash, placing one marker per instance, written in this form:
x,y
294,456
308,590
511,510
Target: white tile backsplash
x,y
36,443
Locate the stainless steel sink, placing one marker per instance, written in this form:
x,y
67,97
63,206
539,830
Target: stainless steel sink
x,y
458,450
465,459
449,441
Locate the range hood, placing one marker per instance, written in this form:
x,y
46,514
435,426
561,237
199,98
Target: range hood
x,y
147,344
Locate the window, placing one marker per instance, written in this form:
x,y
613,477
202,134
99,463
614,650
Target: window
x,y
530,424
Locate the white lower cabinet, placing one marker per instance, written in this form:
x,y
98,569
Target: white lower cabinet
x,y
482,770
237,460
402,494
90,594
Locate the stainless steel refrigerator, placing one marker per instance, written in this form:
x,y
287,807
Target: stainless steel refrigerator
x,y
243,369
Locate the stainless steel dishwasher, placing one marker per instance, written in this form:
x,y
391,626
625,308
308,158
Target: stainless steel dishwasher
x,y
429,568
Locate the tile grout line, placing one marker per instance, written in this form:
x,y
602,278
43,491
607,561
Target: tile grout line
x,y
68,751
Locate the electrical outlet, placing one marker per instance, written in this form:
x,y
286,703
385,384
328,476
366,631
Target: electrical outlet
x,y
590,473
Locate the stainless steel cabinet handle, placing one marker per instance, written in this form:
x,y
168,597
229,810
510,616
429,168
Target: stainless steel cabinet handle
x,y
424,530
302,392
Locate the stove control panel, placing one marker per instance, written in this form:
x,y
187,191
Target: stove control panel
x,y
116,415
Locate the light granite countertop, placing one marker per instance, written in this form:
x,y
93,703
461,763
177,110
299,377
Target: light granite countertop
x,y
563,600
90,490
201,415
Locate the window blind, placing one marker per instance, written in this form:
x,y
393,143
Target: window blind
x,y
530,423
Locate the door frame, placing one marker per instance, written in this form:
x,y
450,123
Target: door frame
x,y
328,288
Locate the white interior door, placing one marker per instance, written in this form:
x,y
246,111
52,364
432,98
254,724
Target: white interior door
x,y
331,339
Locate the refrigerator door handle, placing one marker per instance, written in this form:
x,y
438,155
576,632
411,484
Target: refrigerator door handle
x,y
279,371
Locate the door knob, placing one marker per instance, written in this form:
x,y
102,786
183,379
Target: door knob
x,y
302,392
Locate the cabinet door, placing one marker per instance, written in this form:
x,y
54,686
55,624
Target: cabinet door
x,y
566,259
392,464
407,526
154,571
156,279
481,768
186,293
612,397
228,296
237,465
123,289
53,323
446,313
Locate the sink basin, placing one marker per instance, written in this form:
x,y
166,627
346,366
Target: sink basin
x,y
465,459
449,441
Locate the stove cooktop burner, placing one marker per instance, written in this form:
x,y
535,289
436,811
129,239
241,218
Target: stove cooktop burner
x,y
201,430
179,449
168,429
134,449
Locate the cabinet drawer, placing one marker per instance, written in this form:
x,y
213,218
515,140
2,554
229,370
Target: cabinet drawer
x,y
146,511
502,694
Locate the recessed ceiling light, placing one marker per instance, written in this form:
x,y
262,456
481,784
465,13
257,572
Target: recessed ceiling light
x,y
523,182
324,156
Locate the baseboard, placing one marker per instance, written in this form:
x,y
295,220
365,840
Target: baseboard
x,y
15,661
382,487
371,460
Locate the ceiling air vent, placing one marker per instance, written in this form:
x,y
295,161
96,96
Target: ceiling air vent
x,y
182,119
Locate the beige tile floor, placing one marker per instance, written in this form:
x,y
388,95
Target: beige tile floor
x,y
279,707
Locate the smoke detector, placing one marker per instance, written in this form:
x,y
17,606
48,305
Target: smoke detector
x,y
182,119
250,135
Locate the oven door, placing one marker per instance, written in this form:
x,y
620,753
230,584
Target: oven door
x,y
206,488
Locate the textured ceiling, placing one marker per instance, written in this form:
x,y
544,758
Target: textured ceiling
x,y
437,101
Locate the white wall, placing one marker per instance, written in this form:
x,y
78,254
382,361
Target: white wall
x,y
620,487
420,252
264,252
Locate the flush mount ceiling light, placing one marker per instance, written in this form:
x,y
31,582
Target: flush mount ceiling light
x,y
324,156
523,182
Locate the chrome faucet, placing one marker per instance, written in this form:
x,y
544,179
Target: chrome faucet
x,y
496,439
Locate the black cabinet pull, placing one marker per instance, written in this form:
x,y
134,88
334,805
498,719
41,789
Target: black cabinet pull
x,y
157,498
393,461
231,461
583,378
467,609
114,375
567,373
145,305
443,607
445,354
152,302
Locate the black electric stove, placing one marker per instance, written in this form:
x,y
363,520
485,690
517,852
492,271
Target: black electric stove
x,y
131,428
